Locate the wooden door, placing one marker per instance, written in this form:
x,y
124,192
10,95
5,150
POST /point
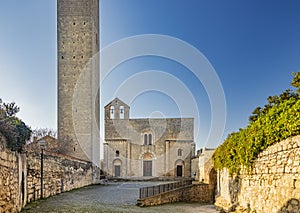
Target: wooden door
x,y
117,171
179,171
147,168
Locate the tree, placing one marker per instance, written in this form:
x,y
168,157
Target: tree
x,y
276,121
15,131
21,133
255,114
296,81
8,109
41,132
274,100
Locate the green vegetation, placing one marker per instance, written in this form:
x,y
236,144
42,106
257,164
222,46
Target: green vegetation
x,y
278,120
12,128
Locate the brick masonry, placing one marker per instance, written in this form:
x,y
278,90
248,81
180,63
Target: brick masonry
x,y
273,185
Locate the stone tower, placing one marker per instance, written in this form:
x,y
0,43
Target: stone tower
x,y
78,78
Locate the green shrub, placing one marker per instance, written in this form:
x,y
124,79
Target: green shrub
x,y
278,120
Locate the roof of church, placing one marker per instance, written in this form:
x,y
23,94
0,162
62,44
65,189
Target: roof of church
x,y
120,102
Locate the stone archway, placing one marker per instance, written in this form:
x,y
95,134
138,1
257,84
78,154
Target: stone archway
x,y
213,180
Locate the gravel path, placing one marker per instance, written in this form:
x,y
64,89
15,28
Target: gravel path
x,y
114,197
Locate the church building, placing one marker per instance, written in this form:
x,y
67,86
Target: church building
x,y
151,147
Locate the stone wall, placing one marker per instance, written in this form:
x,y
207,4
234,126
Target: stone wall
x,y
273,184
10,180
20,177
201,193
60,173
205,164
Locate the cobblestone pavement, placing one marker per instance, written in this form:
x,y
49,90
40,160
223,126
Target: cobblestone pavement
x,y
114,197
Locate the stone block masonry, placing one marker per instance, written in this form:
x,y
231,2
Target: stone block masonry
x,y
273,185
201,193
78,78
10,185
61,173
20,177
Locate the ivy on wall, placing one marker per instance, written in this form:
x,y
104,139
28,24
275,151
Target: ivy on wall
x,y
278,120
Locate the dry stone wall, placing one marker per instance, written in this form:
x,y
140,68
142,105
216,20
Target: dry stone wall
x,y
20,177
60,174
11,191
273,184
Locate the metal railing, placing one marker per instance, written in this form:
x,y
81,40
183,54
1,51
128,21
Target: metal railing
x,y
158,189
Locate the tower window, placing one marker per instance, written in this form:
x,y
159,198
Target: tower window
x,y
179,152
62,57
121,111
112,112
145,139
117,153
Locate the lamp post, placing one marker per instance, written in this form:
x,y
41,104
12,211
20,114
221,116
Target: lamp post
x,y
42,145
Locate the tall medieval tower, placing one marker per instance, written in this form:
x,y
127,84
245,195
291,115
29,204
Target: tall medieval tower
x,y
78,78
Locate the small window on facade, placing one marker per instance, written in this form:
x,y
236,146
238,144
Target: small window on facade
x,y
179,152
121,112
150,139
112,113
117,153
145,139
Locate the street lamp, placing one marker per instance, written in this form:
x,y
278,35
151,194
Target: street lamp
x,y
42,145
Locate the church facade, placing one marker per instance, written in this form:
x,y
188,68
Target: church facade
x,y
146,147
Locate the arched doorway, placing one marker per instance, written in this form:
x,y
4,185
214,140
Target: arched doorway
x,y
213,179
117,167
179,168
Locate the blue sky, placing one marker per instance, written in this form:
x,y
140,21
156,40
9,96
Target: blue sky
x,y
254,46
